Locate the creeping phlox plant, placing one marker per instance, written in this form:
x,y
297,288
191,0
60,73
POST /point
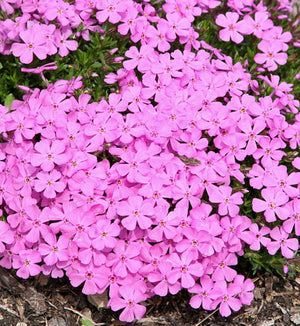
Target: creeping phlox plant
x,y
164,182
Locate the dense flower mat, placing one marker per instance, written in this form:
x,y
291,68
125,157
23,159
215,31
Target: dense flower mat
x,y
155,187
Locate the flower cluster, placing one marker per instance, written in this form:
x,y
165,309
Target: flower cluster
x,y
257,21
142,192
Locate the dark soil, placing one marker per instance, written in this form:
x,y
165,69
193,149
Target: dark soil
x,y
45,301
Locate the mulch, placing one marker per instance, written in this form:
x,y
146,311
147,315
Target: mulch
x,y
54,302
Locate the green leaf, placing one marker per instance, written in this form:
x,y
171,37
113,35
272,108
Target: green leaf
x,y
86,322
8,100
1,66
96,65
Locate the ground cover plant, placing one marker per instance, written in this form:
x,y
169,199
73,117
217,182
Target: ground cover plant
x,y
148,146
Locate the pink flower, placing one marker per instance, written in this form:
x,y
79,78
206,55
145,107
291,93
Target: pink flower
x,y
228,298
271,56
275,34
287,246
131,297
6,235
26,263
104,234
252,133
58,10
177,26
167,68
256,26
205,293
49,183
231,27
246,287
49,153
185,269
125,259
160,37
34,43
259,236
92,277
269,149
136,211
160,278
139,58
296,163
34,223
221,262
293,222
282,181
22,126
110,10
54,250
62,42
228,203
6,7
272,205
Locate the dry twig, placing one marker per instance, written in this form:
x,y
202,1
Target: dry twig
x,y
203,320
83,316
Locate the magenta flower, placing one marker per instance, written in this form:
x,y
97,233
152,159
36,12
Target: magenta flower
x,y
26,263
22,125
138,58
189,144
287,246
159,37
296,163
274,200
235,231
111,10
136,211
252,133
271,56
259,236
205,293
104,234
294,220
222,261
231,27
62,42
269,149
54,250
275,34
6,7
124,259
131,297
165,224
228,203
34,43
185,269
34,223
167,68
246,287
134,166
227,298
256,26
281,181
49,183
160,278
104,129
192,244
177,26
49,153
92,276
6,235
58,10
